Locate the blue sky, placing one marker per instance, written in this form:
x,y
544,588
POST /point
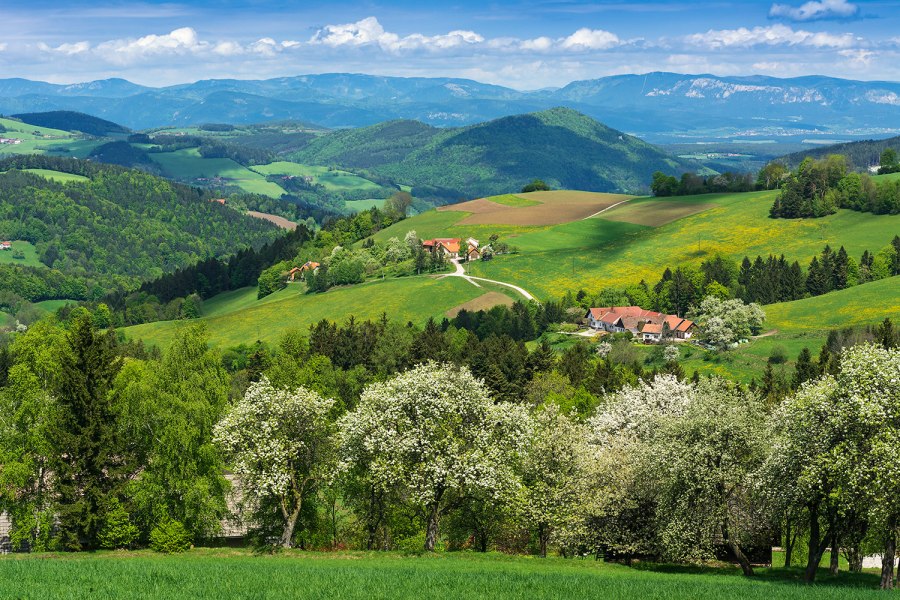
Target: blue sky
x,y
525,44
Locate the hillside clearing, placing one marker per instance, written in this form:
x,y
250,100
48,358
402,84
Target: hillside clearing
x,y
483,302
403,299
539,208
30,259
187,165
280,221
332,179
57,175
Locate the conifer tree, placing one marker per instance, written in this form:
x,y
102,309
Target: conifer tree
x,y
90,461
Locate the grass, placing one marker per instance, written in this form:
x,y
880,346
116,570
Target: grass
x,y
436,223
31,257
361,205
800,324
736,226
237,318
58,175
217,573
333,180
513,200
43,140
188,165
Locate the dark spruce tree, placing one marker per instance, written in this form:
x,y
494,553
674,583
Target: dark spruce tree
x,y
90,459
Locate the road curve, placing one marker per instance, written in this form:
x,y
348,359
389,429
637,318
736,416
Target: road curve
x,y
461,272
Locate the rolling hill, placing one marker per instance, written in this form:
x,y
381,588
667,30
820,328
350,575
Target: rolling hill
x,y
103,228
561,146
862,154
68,120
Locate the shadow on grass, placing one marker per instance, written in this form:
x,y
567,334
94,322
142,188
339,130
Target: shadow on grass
x,y
780,575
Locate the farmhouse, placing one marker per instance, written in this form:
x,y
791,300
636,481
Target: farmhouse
x,y
5,245
299,271
648,325
12,141
448,246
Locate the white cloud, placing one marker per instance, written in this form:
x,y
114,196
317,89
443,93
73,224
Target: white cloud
x,y
774,35
540,44
590,39
370,31
2,46
815,10
179,41
858,56
67,49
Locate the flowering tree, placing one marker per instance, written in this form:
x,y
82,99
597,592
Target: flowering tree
x,y
726,321
434,434
550,469
280,444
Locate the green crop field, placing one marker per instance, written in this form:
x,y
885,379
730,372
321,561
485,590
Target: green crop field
x,y
736,226
31,257
230,573
333,180
57,175
237,318
187,165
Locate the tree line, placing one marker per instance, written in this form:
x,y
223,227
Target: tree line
x,y
383,435
819,187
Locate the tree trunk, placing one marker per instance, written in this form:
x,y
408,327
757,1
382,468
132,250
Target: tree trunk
x,y
887,561
289,523
543,534
855,558
833,566
432,532
788,543
816,545
742,559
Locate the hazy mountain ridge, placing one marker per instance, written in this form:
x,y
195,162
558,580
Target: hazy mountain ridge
x,y
654,102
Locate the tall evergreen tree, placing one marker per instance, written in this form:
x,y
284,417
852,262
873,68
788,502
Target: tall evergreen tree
x,y
90,461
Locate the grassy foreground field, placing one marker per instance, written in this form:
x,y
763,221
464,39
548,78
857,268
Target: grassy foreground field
x,y
225,573
238,318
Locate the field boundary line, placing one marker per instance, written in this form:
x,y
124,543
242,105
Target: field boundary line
x,y
606,209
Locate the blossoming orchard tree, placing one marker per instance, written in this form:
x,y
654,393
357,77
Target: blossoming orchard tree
x,y
281,444
434,435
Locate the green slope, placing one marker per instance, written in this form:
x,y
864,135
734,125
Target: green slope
x,y
561,146
238,318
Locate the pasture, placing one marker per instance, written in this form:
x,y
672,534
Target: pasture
x,y
235,573
30,252
485,301
534,208
334,180
239,318
43,140
57,175
187,165
361,205
566,257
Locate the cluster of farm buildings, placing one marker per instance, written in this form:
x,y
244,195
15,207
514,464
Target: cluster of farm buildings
x,y
5,245
453,248
12,141
646,325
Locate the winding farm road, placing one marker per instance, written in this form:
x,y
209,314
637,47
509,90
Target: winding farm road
x,y
461,272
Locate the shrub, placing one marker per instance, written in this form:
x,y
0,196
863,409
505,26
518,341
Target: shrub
x,y
778,356
170,537
118,531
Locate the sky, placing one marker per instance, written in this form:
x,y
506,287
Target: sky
x,y
523,44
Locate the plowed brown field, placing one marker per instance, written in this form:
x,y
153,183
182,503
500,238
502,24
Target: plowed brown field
x,y
555,207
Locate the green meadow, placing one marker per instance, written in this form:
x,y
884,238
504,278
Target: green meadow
x,y
43,140
218,573
187,165
237,317
57,175
31,257
361,205
333,179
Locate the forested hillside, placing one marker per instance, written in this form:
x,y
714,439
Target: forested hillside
x,y
112,229
68,120
562,147
860,154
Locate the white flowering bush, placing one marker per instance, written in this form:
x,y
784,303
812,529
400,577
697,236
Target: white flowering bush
x,y
280,443
724,322
434,433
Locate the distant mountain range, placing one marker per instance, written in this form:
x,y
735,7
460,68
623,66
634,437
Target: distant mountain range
x,y
662,104
561,146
